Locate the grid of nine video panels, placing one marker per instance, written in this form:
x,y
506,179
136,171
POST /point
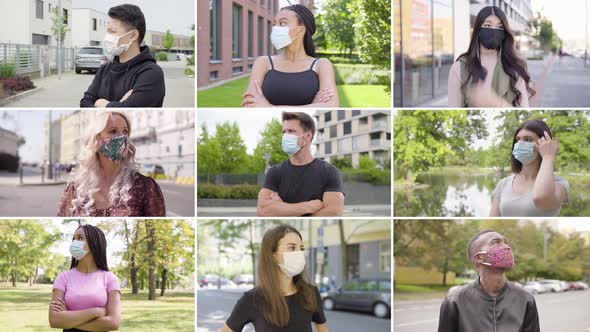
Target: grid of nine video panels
x,y
212,163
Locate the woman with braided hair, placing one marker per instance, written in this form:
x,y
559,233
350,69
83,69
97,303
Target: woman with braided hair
x,y
293,77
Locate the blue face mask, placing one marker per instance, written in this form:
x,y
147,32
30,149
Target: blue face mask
x,y
289,144
524,152
77,249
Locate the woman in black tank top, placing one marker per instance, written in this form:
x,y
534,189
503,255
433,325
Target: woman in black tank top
x,y
294,77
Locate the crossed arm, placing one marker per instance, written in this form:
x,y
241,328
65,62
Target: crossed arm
x,y
270,204
327,95
92,319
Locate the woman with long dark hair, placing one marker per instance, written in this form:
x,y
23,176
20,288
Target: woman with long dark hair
x,y
533,190
490,73
86,297
293,77
283,300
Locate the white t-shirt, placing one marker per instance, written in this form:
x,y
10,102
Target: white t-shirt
x,y
522,205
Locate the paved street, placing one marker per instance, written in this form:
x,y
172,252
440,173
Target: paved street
x,y
558,312
67,92
376,210
566,84
42,200
214,306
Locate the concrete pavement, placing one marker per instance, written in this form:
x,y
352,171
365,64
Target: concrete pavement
x,y
558,312
67,91
214,307
365,210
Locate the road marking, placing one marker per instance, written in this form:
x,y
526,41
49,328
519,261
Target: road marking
x,y
418,322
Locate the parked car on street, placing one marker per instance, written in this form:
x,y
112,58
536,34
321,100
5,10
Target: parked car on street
x,y
368,295
244,279
213,280
90,58
535,287
553,285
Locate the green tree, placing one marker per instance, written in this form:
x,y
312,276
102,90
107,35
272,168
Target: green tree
x,y
338,25
425,139
55,25
168,41
545,33
373,34
208,154
233,149
270,142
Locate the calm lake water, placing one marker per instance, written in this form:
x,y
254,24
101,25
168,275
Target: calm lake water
x,y
453,195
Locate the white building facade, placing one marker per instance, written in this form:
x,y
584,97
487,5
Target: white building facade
x,y
8,142
29,22
88,27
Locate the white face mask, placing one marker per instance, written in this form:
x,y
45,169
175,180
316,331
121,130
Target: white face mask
x,y
293,263
279,37
77,249
111,44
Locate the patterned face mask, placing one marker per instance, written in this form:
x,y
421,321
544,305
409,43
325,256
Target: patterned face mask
x,y
115,148
499,257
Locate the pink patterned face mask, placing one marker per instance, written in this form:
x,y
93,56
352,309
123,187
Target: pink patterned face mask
x,y
499,257
115,149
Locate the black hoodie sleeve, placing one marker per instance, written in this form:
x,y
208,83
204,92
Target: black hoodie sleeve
x,y
91,95
148,91
447,321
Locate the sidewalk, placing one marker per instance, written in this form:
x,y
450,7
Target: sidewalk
x,y
13,179
67,91
366,210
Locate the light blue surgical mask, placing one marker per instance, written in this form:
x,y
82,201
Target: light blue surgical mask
x,y
279,37
524,152
77,249
289,144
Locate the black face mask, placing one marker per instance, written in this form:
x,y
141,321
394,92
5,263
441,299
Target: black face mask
x,y
491,38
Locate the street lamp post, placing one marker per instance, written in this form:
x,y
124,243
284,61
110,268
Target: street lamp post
x,y
59,39
50,147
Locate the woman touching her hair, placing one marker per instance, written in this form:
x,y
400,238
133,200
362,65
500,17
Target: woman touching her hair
x,y
293,77
86,297
282,301
533,190
490,73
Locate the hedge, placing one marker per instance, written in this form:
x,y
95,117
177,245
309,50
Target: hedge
x,y
240,191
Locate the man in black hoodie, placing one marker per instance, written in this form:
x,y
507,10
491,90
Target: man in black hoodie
x,y
132,79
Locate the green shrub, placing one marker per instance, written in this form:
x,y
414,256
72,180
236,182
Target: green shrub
x,y
190,60
162,56
358,74
341,163
240,191
7,70
189,71
374,176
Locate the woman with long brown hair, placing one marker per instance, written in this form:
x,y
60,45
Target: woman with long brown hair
x,y
490,73
283,300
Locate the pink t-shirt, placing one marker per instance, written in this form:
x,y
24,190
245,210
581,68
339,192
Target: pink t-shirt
x,y
84,291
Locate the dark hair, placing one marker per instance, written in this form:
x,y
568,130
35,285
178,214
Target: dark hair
x,y
538,127
513,65
132,16
274,305
471,243
305,18
305,121
97,243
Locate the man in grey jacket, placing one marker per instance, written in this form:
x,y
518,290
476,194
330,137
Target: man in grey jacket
x,y
490,303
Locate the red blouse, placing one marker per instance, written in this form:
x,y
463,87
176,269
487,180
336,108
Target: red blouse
x,y
146,201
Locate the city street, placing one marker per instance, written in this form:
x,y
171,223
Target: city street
x,y
214,306
67,92
366,210
558,312
37,200
566,84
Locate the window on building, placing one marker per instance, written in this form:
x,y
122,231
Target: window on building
x,y
40,39
260,28
237,70
268,28
180,150
327,117
215,30
250,34
65,16
385,256
340,146
341,114
328,148
355,143
94,24
347,128
39,9
236,44
214,75
356,113
333,131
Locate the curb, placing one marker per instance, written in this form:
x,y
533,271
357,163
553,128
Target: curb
x,y
18,96
42,184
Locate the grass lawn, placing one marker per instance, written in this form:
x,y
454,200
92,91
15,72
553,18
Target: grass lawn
x,y
230,95
25,309
404,292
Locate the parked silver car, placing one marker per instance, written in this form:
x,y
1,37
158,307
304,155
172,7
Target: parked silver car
x,y
90,58
370,295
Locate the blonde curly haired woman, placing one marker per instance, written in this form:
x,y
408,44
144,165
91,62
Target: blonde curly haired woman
x,y
106,183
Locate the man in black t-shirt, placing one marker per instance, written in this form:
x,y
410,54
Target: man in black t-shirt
x,y
301,185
